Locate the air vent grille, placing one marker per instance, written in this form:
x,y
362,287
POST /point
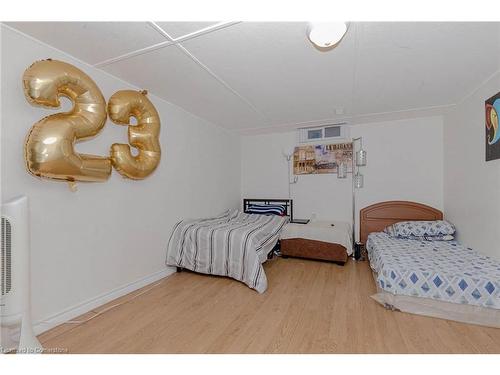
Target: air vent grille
x,y
6,258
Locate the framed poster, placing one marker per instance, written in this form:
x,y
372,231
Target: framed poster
x,y
319,159
492,110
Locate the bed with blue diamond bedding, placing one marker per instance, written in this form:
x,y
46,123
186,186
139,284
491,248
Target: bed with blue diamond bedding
x,y
463,284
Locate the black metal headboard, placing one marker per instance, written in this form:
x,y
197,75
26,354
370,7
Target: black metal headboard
x,y
288,203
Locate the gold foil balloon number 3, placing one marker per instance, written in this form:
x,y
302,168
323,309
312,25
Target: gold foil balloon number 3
x,y
143,136
49,149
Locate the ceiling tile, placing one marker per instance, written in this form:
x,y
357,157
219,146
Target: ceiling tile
x,y
178,29
92,42
377,68
277,69
402,66
175,77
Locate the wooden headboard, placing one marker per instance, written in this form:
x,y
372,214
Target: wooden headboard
x,y
376,217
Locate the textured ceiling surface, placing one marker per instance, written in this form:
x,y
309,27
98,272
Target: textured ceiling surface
x,y
265,76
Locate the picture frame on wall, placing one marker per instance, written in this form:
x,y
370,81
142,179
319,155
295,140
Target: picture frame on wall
x,y
321,159
492,110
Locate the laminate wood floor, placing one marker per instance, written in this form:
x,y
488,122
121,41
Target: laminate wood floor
x,y
309,307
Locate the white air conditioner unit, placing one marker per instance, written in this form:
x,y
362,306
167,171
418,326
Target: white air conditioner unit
x,y
15,308
325,133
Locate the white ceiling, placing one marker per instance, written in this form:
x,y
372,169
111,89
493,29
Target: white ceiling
x,y
256,76
178,29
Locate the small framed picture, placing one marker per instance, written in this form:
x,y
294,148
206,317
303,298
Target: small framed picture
x,y
492,110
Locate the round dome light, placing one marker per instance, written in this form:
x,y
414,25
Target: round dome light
x,y
326,34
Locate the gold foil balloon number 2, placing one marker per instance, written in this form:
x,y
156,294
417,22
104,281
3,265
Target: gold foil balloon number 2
x,y
49,148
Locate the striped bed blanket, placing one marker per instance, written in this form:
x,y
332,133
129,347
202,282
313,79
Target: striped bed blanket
x,y
233,244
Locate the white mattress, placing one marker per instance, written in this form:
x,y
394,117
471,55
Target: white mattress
x,y
338,233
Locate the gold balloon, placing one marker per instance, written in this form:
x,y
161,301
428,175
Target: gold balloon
x,y
143,136
49,148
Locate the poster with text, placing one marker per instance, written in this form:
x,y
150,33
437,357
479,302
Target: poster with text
x,y
318,159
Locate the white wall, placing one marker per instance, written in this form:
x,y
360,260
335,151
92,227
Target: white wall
x,y
405,161
264,175
107,235
472,185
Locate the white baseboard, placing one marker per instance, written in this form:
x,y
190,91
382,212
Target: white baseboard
x,y
77,310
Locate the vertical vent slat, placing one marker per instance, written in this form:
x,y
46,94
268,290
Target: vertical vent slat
x,y
6,258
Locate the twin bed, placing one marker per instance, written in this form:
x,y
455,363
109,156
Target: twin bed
x,y
436,278
442,279
234,244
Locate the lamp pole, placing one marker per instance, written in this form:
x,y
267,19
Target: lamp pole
x,y
355,183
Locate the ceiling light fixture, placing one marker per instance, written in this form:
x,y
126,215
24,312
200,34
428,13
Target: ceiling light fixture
x,y
326,35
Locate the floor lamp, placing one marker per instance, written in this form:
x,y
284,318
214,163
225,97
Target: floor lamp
x,y
288,158
358,160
